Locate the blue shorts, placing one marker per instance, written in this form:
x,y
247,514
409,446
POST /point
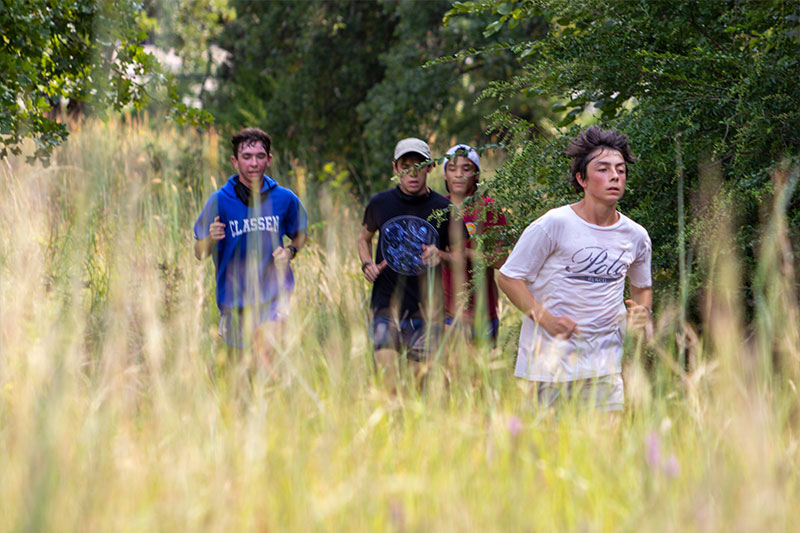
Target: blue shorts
x,y
488,331
412,334
233,321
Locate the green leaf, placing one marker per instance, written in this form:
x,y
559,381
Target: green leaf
x,y
493,28
505,8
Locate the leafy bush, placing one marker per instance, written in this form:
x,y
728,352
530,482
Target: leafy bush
x,y
342,82
704,89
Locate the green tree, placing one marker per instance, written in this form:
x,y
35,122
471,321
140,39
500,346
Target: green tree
x,y
190,31
298,69
68,51
420,95
701,86
343,81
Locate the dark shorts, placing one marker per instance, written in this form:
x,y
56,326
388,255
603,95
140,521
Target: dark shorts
x,y
487,331
233,322
413,335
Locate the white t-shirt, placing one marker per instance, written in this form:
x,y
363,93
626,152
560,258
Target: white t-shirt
x,y
577,269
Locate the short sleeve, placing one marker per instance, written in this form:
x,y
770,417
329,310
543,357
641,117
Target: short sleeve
x,y
529,254
207,215
640,270
296,218
370,215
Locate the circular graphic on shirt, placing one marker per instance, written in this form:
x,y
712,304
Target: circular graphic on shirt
x,y
471,228
401,243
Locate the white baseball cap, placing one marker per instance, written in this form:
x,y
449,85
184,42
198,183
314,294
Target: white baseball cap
x,y
412,145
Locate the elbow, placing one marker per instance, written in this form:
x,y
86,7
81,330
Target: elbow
x,y
199,252
509,285
503,281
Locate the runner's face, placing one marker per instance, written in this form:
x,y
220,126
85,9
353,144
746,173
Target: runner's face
x,y
251,162
461,175
605,177
413,178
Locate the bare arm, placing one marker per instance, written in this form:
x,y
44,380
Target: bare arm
x,y
364,242
640,310
282,255
642,297
203,247
517,291
299,240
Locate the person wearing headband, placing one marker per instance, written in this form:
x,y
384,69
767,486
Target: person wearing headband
x,y
471,300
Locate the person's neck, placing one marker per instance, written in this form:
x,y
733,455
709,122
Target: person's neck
x,y
458,199
256,185
422,192
596,213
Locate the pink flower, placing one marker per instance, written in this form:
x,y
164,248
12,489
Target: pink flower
x,y
514,425
653,449
671,467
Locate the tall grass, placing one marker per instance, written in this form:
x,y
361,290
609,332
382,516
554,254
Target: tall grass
x,y
121,410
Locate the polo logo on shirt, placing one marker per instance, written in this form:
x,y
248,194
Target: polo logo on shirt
x,y
267,223
592,264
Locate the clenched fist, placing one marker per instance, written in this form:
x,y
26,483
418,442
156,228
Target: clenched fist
x,y
281,257
372,271
217,230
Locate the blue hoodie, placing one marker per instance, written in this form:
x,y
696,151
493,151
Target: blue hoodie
x,y
251,235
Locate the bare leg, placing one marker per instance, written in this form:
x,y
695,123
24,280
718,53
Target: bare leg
x,y
387,364
266,339
613,421
419,371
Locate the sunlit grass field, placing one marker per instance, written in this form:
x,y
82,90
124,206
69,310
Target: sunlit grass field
x,y
120,409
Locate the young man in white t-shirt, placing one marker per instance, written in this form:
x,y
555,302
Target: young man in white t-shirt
x,y
567,275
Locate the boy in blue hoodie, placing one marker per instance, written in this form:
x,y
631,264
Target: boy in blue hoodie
x,y
242,227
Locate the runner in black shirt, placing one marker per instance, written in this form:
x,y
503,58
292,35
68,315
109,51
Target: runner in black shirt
x,y
414,239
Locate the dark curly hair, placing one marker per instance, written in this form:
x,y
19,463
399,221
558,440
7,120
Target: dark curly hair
x,y
584,148
250,136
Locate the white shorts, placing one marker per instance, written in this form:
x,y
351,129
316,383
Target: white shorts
x,y
605,393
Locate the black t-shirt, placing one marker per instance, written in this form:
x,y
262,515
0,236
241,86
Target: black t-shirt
x,y
391,289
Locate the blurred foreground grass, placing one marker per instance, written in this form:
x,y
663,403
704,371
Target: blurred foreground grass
x,y
119,410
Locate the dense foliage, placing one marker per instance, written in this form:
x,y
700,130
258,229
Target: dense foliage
x,y
705,89
70,53
343,81
186,32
